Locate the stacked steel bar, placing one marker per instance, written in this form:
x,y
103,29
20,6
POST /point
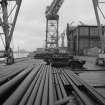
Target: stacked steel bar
x,y
31,82
26,83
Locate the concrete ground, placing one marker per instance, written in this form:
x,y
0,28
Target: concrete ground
x,y
95,75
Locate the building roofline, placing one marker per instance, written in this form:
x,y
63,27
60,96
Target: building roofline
x,y
84,26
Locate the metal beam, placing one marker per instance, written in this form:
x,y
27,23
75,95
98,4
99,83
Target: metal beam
x,y
9,10
95,5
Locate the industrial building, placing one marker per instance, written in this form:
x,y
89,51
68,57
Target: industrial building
x,y
82,38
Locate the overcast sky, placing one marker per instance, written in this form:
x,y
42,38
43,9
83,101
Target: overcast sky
x,y
30,28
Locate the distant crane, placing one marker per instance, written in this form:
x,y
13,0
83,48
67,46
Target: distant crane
x,y
9,10
52,24
62,37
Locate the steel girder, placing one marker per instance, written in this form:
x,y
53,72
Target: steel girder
x,y
9,10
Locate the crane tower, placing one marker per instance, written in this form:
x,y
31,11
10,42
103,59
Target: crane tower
x,y
52,21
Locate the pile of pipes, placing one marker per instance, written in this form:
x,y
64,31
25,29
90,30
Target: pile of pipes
x,y
31,82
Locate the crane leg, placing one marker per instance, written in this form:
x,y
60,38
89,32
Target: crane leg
x,y
10,58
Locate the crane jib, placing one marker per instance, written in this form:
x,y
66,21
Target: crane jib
x,y
54,7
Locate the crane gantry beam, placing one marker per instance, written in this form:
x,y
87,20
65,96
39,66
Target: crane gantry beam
x,y
9,10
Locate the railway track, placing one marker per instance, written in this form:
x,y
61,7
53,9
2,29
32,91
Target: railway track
x,y
31,82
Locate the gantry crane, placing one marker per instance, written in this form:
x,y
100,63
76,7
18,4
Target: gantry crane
x,y
52,24
9,10
101,57
53,56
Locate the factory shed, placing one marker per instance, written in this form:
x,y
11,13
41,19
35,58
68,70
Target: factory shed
x,y
83,38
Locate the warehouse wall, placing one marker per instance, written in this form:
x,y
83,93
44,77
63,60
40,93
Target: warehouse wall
x,y
82,38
